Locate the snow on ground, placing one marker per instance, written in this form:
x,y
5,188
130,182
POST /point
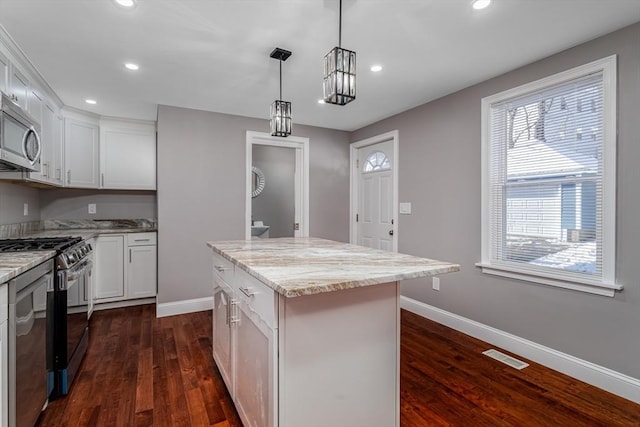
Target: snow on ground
x,y
580,257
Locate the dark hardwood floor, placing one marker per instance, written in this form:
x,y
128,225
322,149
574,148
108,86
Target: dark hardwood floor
x,y
143,371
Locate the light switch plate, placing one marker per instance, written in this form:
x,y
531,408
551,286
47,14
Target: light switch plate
x,y
405,208
92,208
25,209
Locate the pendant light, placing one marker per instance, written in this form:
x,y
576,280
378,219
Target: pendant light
x,y
280,110
339,84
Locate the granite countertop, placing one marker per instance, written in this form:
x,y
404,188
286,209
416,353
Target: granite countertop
x,y
305,266
13,264
88,233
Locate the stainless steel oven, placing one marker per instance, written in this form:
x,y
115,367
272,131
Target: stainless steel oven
x,y
29,378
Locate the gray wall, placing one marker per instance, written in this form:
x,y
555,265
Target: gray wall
x,y
275,206
12,200
73,204
201,174
440,174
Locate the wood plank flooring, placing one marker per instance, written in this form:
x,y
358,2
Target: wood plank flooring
x,y
144,371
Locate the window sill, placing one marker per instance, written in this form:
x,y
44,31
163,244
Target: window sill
x,y
604,289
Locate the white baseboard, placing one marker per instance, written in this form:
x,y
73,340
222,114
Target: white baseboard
x,y
124,303
596,375
182,307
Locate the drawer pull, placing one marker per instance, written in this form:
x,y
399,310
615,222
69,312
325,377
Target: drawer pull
x,y
247,291
221,268
141,240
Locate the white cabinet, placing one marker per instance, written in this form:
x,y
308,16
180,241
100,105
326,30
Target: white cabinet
x,y
81,153
256,373
125,267
18,87
109,266
35,103
223,321
4,73
245,342
142,268
127,155
4,362
51,138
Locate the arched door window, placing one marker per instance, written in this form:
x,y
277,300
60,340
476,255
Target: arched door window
x,y
376,161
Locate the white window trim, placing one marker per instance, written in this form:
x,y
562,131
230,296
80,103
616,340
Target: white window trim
x,y
606,286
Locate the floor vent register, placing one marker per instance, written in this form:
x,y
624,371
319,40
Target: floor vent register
x,y
506,359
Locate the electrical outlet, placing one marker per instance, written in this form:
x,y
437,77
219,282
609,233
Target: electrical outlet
x,y
92,208
25,209
435,283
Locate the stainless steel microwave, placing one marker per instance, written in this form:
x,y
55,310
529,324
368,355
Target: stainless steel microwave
x,y
19,139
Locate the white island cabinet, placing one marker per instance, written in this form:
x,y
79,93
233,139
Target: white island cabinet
x,y
4,350
306,331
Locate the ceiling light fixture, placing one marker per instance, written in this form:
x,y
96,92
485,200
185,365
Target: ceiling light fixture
x,y
90,101
339,83
280,110
131,66
376,68
480,4
126,3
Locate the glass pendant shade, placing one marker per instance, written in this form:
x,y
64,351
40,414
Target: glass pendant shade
x,y
280,118
339,76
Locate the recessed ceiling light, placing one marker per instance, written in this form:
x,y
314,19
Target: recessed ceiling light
x,y
90,101
480,4
376,68
126,3
131,66
320,101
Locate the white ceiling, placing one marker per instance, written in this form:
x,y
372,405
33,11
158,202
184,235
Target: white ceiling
x,y
214,54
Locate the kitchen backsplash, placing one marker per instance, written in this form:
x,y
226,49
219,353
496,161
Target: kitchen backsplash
x,y
9,231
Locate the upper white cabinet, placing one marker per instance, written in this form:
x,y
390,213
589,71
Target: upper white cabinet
x,y
18,87
51,138
81,150
4,72
127,155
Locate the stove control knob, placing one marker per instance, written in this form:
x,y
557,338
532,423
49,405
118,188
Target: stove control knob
x,y
71,257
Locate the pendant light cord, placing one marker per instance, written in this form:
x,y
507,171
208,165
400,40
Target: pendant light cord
x,y
340,26
281,80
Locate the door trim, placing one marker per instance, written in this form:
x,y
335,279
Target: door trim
x,y
353,183
301,176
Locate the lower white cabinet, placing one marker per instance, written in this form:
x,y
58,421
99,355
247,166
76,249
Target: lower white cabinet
x,y
125,267
245,343
328,359
4,362
141,268
109,266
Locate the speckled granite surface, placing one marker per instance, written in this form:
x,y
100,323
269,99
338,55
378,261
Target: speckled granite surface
x,y
16,263
306,266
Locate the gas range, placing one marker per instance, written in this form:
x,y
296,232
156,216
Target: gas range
x,y
71,250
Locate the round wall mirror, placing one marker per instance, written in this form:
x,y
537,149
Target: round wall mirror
x,y
257,181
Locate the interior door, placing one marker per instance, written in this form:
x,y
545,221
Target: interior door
x,y
375,222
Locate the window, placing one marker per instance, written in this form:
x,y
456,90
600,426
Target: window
x,y
548,190
376,161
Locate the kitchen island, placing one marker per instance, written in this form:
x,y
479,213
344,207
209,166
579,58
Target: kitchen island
x,y
307,330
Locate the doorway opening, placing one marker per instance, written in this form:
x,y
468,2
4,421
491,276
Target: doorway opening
x,y
374,192
277,186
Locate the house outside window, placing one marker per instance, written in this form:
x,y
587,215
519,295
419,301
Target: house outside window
x,y
548,191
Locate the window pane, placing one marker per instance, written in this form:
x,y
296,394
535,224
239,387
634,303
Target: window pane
x,y
546,177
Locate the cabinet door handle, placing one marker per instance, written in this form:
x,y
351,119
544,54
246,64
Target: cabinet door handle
x,y
247,291
69,176
234,311
221,268
129,255
45,165
102,178
141,240
58,172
